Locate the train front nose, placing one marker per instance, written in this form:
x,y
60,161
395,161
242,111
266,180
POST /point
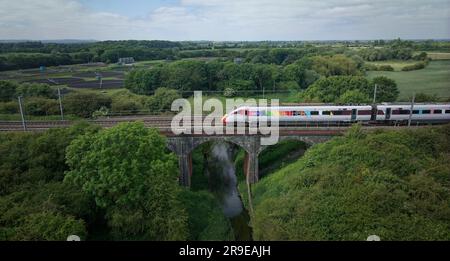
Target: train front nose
x,y
224,120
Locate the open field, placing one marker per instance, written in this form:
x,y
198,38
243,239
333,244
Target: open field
x,y
435,79
75,76
439,56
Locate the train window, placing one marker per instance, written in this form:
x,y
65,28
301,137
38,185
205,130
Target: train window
x,y
326,112
401,112
447,111
314,113
416,111
346,112
364,112
437,112
338,113
380,112
426,111
405,112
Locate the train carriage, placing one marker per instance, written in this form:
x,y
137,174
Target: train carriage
x,y
393,113
420,112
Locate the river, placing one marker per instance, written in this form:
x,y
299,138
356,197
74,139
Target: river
x,y
223,183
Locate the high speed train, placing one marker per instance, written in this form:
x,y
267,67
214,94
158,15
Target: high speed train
x,y
382,113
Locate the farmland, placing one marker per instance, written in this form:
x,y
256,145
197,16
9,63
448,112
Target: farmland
x,y
432,80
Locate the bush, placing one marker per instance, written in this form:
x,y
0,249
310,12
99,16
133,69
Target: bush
x,y
423,56
35,89
372,67
162,100
47,226
125,105
9,107
386,68
422,97
417,66
229,92
7,91
38,106
83,104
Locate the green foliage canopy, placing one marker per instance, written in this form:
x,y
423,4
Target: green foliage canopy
x,y
129,173
394,184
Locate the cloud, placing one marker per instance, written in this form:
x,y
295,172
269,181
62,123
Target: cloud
x,y
230,20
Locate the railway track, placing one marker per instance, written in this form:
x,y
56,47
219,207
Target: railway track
x,y
163,124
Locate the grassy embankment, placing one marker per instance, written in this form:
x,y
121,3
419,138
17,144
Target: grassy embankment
x,y
394,184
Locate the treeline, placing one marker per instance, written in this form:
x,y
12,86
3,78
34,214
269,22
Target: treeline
x,y
247,78
34,54
39,47
15,61
319,78
46,193
26,55
109,52
393,184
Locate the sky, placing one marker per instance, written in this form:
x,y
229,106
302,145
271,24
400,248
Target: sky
x,y
224,20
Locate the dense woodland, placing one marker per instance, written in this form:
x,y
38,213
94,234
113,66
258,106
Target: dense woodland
x,y
101,185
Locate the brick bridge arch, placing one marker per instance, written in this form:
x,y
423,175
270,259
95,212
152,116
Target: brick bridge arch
x,y
183,146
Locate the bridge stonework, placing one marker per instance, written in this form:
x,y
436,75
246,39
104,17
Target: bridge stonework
x,y
183,146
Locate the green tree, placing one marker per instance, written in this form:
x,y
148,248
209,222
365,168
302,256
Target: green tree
x,y
301,73
40,106
186,76
131,176
206,219
83,104
332,88
387,90
354,96
7,91
423,97
334,65
162,100
144,81
47,226
35,89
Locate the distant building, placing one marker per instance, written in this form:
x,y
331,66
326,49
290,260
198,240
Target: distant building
x,y
238,60
126,60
